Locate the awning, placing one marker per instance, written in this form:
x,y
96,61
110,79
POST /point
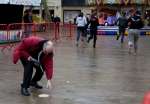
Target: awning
x,y
22,2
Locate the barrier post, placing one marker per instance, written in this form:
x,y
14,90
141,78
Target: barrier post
x,y
57,30
34,29
70,28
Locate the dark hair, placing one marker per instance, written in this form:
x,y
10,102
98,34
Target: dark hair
x,y
132,10
26,11
81,14
123,14
138,12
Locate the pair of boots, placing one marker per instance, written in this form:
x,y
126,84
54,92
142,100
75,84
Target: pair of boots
x,y
25,91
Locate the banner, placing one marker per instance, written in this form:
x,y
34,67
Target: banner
x,y
14,35
90,2
93,2
126,2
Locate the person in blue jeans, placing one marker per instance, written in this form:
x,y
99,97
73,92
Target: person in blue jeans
x,y
81,22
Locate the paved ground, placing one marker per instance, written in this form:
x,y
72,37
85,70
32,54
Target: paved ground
x,y
105,75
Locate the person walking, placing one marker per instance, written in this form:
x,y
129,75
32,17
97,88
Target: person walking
x,y
134,24
122,23
34,52
93,29
81,22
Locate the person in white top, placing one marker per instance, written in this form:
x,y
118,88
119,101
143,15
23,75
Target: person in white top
x,y
81,22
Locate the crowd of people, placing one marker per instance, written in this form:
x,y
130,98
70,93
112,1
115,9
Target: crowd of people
x,y
131,23
82,25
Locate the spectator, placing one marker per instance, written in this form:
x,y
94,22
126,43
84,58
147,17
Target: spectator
x,y
57,19
57,25
28,20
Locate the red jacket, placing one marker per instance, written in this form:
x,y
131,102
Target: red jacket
x,y
146,98
28,47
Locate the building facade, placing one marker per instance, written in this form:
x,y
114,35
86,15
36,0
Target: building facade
x,y
67,10
55,7
71,9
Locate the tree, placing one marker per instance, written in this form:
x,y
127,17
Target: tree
x,y
46,9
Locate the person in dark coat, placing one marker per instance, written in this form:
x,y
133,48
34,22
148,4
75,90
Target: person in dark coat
x,y
57,21
122,23
38,53
93,29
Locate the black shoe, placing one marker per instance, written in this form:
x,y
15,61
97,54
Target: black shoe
x,y
36,85
25,92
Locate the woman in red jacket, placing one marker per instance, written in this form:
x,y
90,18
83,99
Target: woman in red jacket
x,y
38,53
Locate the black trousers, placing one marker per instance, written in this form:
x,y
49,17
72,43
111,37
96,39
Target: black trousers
x,y
28,71
121,33
93,35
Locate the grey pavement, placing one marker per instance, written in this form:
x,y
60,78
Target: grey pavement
x,y
83,75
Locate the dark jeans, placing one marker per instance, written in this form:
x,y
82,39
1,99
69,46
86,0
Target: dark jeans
x,y
80,32
93,35
122,34
28,71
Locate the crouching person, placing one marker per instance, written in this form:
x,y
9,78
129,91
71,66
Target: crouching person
x,y
34,52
